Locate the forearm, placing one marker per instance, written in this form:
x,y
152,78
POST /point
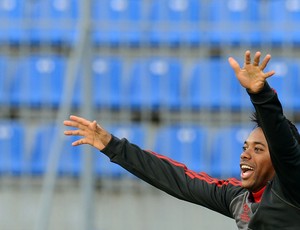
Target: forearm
x,y
170,176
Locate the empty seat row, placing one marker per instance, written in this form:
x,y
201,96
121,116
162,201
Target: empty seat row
x,y
154,83
151,22
200,148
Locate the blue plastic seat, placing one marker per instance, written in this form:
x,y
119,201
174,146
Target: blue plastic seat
x,y
13,22
117,22
175,22
12,140
39,81
186,144
134,133
286,82
54,22
109,82
226,150
282,20
70,158
5,81
213,85
233,22
155,83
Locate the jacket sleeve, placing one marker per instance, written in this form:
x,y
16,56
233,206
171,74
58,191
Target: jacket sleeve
x,y
173,177
283,146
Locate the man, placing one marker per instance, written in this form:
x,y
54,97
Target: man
x,y
268,195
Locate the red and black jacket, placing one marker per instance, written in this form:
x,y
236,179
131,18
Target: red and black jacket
x,y
279,206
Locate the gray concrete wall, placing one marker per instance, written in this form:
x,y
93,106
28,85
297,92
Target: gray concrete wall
x,y
124,205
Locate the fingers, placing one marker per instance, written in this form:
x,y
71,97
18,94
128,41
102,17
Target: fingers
x,y
79,142
247,57
256,58
265,62
80,120
269,74
234,65
73,133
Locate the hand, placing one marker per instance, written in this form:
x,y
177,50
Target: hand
x,y
251,76
92,133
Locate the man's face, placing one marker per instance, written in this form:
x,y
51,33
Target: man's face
x,y
256,165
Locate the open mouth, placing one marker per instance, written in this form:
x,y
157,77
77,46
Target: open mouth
x,y
246,171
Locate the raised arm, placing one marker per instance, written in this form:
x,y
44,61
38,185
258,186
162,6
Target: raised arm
x,y
283,143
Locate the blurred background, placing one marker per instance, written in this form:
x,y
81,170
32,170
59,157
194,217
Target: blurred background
x,y
152,71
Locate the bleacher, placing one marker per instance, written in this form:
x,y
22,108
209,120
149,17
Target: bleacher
x,y
162,57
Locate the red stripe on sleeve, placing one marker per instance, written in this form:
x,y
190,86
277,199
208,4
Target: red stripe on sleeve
x,y
202,175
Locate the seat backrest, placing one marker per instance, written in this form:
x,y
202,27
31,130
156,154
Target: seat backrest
x,y
226,150
155,82
12,142
186,144
109,82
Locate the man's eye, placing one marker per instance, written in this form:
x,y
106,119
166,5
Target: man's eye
x,y
258,149
244,148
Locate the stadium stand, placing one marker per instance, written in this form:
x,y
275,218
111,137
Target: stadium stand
x,y
109,82
185,143
281,23
212,86
12,139
5,82
286,82
135,133
13,28
155,83
118,22
176,22
226,150
233,22
45,16
69,161
39,81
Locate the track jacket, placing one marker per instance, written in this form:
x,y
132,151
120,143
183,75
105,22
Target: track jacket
x,y
277,206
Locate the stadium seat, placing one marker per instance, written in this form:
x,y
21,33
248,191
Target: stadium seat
x,y
12,22
69,161
155,83
213,85
286,82
39,81
175,22
134,133
12,140
226,150
54,22
232,22
109,82
281,20
5,81
117,22
186,143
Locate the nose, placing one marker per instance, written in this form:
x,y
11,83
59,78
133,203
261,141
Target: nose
x,y
245,155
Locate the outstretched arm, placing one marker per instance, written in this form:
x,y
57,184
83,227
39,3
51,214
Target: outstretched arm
x,y
91,132
251,76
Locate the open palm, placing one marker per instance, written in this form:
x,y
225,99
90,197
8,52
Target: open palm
x,y
251,76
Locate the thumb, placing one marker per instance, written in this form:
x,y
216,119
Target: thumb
x,y
269,74
234,65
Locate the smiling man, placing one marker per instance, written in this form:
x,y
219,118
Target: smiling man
x,y
268,195
256,165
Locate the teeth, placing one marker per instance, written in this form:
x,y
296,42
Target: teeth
x,y
246,167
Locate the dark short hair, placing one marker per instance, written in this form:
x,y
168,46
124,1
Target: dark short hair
x,y
254,118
